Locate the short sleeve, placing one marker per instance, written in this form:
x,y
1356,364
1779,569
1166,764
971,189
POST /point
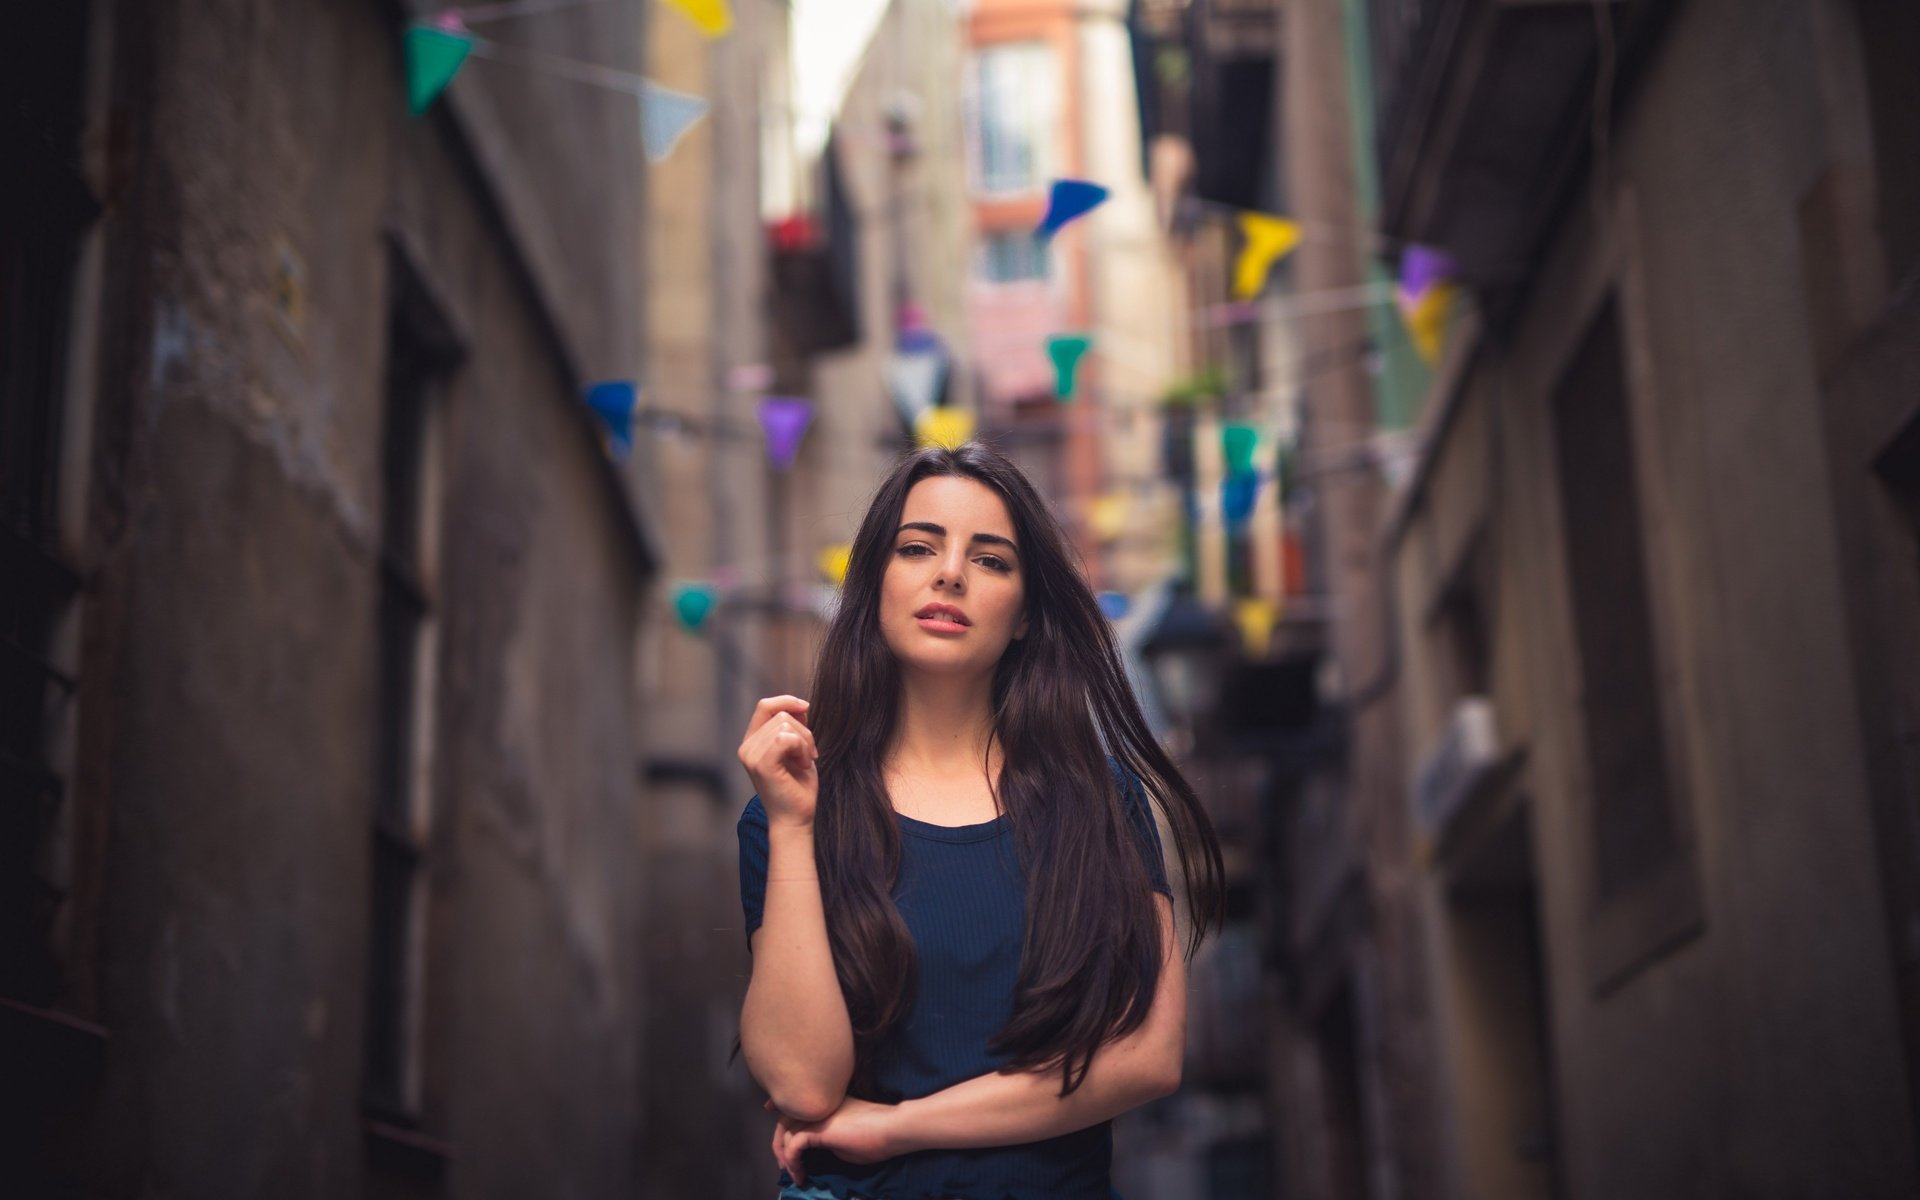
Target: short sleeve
x,y
753,863
1140,813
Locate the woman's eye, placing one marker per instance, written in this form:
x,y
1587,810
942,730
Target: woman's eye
x,y
914,550
994,562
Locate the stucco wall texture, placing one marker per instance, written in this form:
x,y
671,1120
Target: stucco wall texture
x,y
1757,1056
232,672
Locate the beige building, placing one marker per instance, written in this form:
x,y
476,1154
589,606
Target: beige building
x,y
1049,94
710,276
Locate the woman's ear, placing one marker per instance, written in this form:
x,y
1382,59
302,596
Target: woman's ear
x,y
1020,630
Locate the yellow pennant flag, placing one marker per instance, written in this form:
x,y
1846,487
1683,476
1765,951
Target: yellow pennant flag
x,y
1256,618
1268,240
833,562
711,17
1107,515
1427,320
949,427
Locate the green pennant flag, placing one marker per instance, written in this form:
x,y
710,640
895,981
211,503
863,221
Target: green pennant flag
x,y
1239,440
434,57
1066,351
693,604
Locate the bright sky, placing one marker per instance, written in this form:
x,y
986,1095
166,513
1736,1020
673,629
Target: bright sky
x,y
828,38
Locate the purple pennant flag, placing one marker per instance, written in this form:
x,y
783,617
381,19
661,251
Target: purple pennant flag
x,y
784,419
1420,268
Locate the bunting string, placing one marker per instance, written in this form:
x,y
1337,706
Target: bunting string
x,y
632,83
480,14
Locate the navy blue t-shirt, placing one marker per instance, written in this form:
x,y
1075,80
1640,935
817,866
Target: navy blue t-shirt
x,y
963,898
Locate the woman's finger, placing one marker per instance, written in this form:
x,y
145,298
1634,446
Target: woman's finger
x,y
782,741
796,1143
773,706
795,751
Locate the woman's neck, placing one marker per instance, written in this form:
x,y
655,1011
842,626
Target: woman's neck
x,y
944,726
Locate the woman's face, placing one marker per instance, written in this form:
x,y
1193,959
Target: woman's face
x,y
953,595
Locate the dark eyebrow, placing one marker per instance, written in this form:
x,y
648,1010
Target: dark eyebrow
x,y
941,531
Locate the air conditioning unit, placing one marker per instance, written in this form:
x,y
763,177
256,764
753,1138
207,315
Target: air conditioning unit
x,y
1467,754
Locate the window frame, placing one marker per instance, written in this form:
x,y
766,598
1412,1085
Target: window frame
x,y
423,353
1037,76
1655,914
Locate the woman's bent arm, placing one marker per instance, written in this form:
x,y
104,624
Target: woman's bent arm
x,y
1009,1108
794,1028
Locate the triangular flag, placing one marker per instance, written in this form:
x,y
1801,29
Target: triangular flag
x,y
1070,199
693,604
665,116
1237,494
1268,240
784,420
711,17
1239,441
915,373
1066,351
434,57
833,560
1427,322
613,402
1256,616
1107,515
1421,268
947,427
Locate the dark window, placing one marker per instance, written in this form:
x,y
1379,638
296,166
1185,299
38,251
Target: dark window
x,y
1633,806
1462,629
45,206
419,356
1890,42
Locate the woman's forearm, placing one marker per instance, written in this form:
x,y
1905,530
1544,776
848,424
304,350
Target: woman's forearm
x,y
1007,1108
1026,1106
794,1028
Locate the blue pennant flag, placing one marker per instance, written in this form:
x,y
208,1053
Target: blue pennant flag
x,y
1237,494
665,117
613,402
1070,199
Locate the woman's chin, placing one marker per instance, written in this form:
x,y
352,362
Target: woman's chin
x,y
945,659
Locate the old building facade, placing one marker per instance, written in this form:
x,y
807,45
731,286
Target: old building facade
x,y
323,595
1644,582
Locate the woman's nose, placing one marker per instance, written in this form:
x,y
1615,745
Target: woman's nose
x,y
953,573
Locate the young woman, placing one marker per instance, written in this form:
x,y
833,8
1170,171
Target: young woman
x,y
964,957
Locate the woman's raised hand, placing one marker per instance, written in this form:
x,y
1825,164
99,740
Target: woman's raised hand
x,y
779,754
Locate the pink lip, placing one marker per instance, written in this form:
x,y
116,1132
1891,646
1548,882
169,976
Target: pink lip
x,y
943,612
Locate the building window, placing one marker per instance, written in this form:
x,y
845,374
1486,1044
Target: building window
x,y
1015,109
45,209
1890,42
1635,829
1014,257
420,356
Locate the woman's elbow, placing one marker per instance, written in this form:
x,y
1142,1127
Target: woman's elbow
x,y
1160,1070
805,1102
1164,1081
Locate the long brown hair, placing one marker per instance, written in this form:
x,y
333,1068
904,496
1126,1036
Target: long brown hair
x,y
1070,730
